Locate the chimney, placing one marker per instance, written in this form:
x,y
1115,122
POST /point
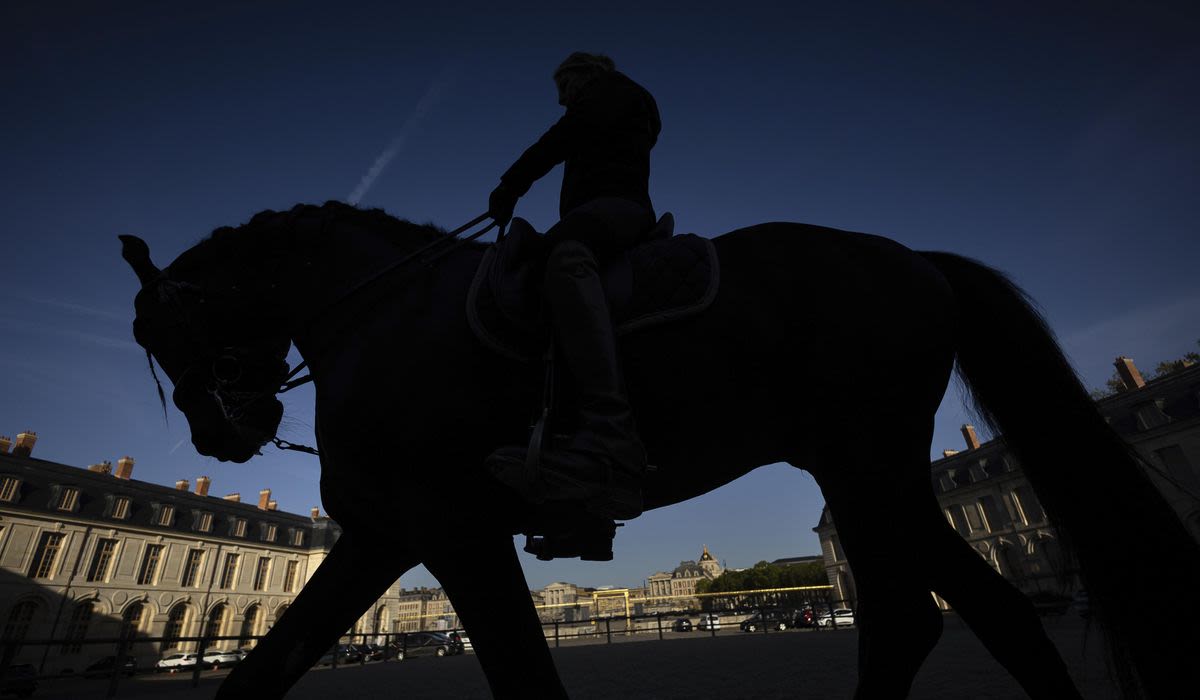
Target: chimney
x,y
316,513
1128,372
101,468
181,485
5,443
264,498
125,467
25,443
949,453
235,497
272,504
968,432
202,483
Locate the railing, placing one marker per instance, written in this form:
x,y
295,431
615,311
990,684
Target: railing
x,y
558,631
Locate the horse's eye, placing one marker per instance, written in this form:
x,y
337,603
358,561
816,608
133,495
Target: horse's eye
x,y
227,369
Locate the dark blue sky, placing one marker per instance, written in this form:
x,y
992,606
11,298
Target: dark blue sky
x,y
1058,145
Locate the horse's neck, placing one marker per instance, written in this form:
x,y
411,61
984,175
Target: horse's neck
x,y
325,290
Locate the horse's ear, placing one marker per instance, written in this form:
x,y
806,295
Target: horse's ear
x,y
137,254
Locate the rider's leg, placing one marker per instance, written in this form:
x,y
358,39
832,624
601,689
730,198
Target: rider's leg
x,y
604,461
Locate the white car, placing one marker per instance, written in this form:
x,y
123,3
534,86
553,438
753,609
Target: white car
x,y
841,616
175,662
710,622
220,658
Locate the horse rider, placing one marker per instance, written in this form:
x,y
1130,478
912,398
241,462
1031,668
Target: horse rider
x,y
604,139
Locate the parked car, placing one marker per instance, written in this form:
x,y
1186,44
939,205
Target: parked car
x,y
219,658
346,654
841,616
103,668
19,680
710,622
768,619
371,652
176,662
461,638
681,625
425,644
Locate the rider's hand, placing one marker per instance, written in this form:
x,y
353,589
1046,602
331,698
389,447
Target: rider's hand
x,y
501,204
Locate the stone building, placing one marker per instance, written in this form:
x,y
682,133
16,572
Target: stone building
x,y
93,553
674,590
987,499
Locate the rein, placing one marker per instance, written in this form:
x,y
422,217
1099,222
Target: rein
x,y
428,255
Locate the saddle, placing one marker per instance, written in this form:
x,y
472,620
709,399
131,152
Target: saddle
x,y
662,279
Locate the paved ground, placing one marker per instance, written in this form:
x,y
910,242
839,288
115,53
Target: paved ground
x,y
792,664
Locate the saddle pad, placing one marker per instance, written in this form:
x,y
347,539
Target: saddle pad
x,y
659,281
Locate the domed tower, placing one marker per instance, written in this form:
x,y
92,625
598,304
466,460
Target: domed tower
x,y
712,568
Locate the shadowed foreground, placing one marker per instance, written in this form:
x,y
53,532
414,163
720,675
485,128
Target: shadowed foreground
x,y
796,664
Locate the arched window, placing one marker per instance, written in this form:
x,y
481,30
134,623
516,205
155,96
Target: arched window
x,y
279,612
250,624
215,626
176,619
19,621
131,620
77,627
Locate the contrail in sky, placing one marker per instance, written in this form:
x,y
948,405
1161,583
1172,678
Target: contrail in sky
x,y
427,101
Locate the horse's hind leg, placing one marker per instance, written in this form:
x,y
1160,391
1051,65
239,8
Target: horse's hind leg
x,y
999,614
870,494
505,631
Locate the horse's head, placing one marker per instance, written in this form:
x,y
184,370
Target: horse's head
x,y
209,336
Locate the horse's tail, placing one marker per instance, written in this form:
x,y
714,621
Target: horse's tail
x,y
1140,567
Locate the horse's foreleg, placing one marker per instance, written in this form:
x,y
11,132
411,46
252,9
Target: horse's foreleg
x,y
499,616
354,574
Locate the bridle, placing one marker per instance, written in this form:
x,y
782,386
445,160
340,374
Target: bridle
x,y
226,369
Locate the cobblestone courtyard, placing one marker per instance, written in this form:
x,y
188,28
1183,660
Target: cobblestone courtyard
x,y
792,664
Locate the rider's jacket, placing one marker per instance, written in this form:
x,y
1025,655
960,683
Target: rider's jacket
x,y
604,138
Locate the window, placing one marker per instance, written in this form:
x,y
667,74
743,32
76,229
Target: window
x,y
974,517
166,515
269,533
239,527
174,628
46,554
131,620
216,622
68,498
991,514
1178,467
191,568
260,576
150,562
229,572
9,486
1027,505
18,624
98,569
289,579
250,625
298,538
77,628
204,522
120,509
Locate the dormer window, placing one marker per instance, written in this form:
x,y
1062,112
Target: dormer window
x,y
238,527
269,532
203,522
120,508
68,499
165,515
10,488
297,538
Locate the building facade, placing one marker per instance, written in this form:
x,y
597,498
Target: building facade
x,y
93,554
985,496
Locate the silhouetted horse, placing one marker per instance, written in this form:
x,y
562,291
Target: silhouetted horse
x,y
825,349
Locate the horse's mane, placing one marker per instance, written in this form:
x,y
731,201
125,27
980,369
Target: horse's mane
x,y
268,231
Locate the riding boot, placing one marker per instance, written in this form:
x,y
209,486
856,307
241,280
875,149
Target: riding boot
x,y
603,462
